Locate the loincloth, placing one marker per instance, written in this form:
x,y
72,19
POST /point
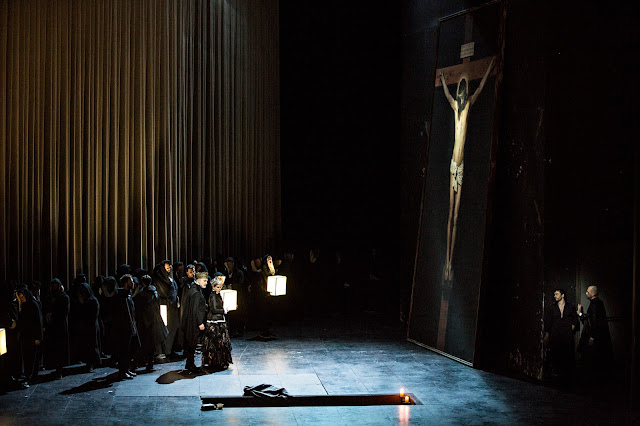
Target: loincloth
x,y
456,171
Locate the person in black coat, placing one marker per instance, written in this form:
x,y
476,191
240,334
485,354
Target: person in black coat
x,y
10,363
234,280
179,273
121,271
293,300
29,325
106,298
150,325
256,291
193,317
167,289
35,287
124,329
595,341
57,328
202,267
314,281
259,298
184,285
189,278
88,312
266,311
560,324
75,318
234,276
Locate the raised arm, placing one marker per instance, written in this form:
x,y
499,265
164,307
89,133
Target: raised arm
x,y
446,91
484,79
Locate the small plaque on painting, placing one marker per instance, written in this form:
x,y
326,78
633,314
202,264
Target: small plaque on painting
x,y
466,50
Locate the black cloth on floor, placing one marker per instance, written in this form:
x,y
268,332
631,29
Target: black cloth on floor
x,y
266,391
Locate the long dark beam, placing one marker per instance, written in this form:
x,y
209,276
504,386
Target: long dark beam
x,y
310,401
635,317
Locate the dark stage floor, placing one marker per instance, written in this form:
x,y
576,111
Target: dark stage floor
x,y
328,356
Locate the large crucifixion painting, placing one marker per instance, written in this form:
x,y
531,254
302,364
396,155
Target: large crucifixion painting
x,y
450,260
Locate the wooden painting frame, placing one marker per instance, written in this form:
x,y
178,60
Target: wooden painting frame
x,y
451,261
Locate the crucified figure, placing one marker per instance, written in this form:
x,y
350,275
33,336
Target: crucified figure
x,y
460,105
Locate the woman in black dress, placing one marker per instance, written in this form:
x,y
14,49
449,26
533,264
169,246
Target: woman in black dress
x,y
216,351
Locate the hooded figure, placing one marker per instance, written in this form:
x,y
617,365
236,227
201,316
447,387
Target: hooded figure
x,y
29,325
235,281
96,287
73,290
122,270
57,328
256,292
167,289
75,317
150,325
107,305
89,330
125,330
8,320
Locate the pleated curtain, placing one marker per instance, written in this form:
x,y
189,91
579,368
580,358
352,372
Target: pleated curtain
x,y
133,131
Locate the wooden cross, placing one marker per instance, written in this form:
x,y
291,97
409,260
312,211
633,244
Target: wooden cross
x,y
471,70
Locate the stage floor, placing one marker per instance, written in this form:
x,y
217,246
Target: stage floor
x,y
324,356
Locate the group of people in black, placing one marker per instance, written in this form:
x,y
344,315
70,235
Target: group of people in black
x,y
38,323
562,322
117,321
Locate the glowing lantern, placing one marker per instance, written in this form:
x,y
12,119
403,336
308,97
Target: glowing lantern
x,y
3,341
163,314
229,299
277,285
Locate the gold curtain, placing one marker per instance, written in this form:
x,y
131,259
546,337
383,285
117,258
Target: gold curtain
x,y
134,131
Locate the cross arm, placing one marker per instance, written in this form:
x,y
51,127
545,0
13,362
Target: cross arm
x,y
472,71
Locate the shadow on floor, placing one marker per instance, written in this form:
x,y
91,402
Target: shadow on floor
x,y
76,369
260,338
173,376
95,384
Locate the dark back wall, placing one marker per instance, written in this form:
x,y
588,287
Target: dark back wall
x,y
340,93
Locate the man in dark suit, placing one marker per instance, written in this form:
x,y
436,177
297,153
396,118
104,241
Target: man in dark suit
x,y
193,318
560,324
595,341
